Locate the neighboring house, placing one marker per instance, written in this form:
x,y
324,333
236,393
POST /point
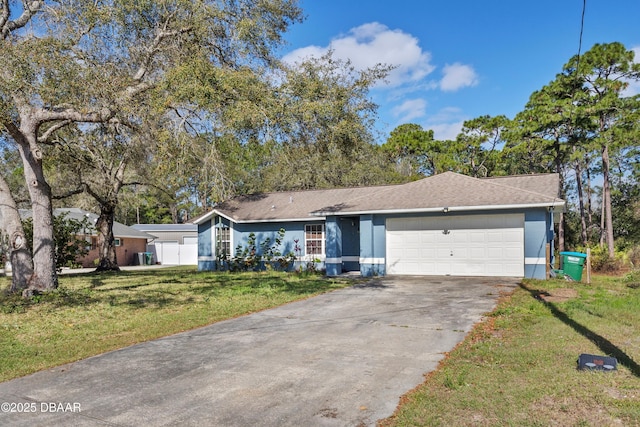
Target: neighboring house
x,y
447,224
175,244
129,242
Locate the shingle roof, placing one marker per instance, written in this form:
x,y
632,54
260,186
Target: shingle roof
x,y
119,229
447,190
548,183
150,228
290,205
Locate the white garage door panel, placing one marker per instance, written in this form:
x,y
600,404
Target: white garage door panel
x,y
490,245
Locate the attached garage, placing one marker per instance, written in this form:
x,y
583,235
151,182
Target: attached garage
x,y
463,245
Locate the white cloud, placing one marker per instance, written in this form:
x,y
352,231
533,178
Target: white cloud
x,y
304,53
374,43
446,123
445,131
457,76
409,110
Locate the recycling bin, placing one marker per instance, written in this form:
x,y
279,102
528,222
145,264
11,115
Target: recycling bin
x,y
148,258
573,263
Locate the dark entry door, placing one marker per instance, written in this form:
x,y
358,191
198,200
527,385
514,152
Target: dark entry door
x,y
350,243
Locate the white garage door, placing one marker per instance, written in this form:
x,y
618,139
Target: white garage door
x,y
479,245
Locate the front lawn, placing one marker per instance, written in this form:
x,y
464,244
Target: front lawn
x,y
93,313
518,368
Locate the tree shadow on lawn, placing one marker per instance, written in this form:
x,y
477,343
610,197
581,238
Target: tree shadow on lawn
x,y
288,283
100,279
110,281
603,344
166,288
112,288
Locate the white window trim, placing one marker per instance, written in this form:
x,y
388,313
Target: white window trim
x,y
214,241
323,243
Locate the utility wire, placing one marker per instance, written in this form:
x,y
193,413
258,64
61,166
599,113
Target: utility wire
x,y
584,7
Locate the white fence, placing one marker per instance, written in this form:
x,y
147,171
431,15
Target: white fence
x,y
173,253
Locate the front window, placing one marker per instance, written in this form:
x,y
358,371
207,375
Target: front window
x,y
223,242
314,239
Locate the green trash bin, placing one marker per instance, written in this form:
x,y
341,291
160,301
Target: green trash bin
x,y
148,258
572,264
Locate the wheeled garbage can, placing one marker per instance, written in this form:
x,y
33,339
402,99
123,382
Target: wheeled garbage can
x,y
573,263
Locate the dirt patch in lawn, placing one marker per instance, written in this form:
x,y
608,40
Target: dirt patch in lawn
x,y
558,295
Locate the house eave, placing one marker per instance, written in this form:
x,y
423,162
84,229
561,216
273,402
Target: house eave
x,y
255,221
204,218
215,212
443,209
321,215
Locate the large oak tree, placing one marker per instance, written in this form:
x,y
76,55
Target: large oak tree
x,y
73,61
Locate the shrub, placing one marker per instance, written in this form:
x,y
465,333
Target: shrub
x,y
633,257
248,258
601,262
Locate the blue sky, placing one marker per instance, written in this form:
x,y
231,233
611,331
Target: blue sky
x,y
459,59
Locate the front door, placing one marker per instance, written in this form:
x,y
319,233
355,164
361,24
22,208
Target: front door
x,y
350,243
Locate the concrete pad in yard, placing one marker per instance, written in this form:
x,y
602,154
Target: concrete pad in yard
x,y
340,359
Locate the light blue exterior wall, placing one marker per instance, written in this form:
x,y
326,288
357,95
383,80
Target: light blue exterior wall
x,y
363,239
372,245
293,231
293,238
206,243
206,257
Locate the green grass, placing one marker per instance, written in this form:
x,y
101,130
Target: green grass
x,y
518,368
93,313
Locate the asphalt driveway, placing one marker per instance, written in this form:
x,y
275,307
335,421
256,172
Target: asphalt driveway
x,y
340,359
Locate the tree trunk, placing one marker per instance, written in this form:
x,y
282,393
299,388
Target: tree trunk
x,y
602,223
583,215
559,171
44,276
173,208
106,239
19,255
606,196
589,196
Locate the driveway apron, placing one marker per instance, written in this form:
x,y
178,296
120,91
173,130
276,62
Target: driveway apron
x,y
339,359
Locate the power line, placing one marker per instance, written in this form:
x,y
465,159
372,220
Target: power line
x,y
584,7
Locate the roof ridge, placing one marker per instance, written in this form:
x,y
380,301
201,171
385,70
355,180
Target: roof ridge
x,y
394,186
501,184
267,193
523,189
525,175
